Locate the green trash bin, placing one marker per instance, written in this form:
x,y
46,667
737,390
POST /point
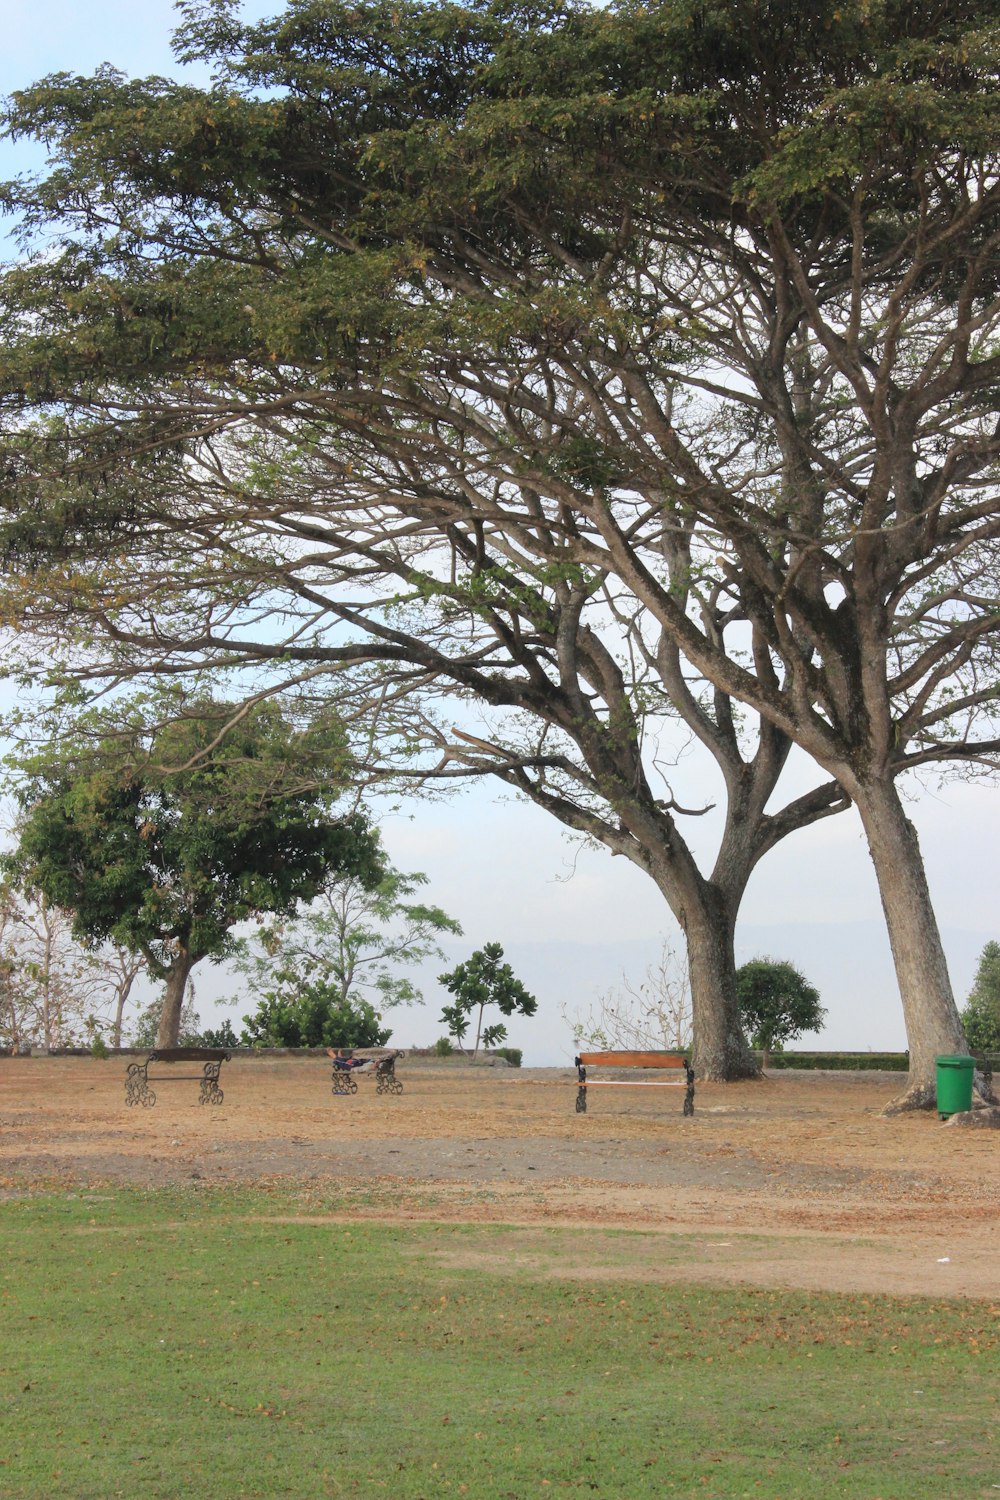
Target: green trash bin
x,y
954,1084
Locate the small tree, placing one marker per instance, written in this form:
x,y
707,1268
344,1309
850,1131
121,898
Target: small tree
x,y
326,978
146,1024
120,969
777,1003
481,981
55,992
656,1012
165,840
981,1016
358,941
16,1010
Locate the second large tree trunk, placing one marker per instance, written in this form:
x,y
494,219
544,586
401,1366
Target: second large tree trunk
x,y
930,1015
169,1029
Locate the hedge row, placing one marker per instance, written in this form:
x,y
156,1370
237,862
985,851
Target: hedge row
x,y
887,1062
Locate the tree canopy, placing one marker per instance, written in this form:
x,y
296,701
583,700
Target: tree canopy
x,y
164,845
617,368
484,980
981,1016
777,1003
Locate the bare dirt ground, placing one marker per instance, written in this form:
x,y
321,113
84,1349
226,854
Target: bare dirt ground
x,y
793,1181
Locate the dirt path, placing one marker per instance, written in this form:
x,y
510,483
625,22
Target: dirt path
x,y
796,1181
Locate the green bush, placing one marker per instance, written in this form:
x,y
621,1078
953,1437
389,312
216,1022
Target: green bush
x,y
512,1055
859,1062
443,1047
220,1036
313,1015
889,1062
981,1016
99,1047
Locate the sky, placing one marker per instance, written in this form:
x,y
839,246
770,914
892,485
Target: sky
x,y
575,921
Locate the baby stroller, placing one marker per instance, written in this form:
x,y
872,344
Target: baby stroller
x,y
345,1065
386,1081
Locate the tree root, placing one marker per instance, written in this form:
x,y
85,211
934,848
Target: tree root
x,y
917,1096
729,1071
983,1086
924,1096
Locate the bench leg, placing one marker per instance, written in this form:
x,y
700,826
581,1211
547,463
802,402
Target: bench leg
x,y
209,1091
581,1099
137,1090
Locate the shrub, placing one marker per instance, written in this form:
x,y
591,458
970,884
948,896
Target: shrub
x,y
889,1062
313,1015
511,1055
220,1036
443,1047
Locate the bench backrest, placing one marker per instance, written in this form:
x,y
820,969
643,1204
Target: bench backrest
x,y
189,1054
632,1059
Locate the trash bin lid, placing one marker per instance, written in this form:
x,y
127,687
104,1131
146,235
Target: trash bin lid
x,y
958,1060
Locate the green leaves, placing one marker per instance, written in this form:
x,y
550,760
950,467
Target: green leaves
x,y
981,1016
331,973
314,1014
480,981
777,1003
165,844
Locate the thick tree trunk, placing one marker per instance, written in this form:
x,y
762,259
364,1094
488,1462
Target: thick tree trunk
x,y
720,1053
169,1029
707,917
930,1015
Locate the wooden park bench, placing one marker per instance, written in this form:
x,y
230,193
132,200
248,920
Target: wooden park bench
x,y
661,1060
345,1067
138,1091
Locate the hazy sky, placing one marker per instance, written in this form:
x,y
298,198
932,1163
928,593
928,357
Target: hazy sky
x,y
571,920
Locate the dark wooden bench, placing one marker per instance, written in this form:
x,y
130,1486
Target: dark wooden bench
x,y
344,1069
674,1061
137,1079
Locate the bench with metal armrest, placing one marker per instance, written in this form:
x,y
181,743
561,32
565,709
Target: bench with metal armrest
x,y
672,1061
137,1074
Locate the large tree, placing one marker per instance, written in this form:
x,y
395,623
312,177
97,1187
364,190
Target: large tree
x,y
594,752
602,366
164,845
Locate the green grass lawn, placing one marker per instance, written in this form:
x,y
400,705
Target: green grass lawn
x,y
232,1345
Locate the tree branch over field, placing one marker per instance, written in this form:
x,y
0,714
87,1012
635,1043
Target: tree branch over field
x,y
625,376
